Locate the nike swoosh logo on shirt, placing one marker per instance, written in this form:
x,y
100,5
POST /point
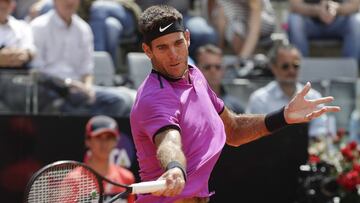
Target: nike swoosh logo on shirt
x,y
163,29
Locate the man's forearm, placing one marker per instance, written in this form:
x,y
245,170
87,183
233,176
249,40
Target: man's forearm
x,y
298,6
244,128
348,8
169,148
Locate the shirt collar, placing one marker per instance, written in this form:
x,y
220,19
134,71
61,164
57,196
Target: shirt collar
x,y
10,22
59,21
171,79
279,93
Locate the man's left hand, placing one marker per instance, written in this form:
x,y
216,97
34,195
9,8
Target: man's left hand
x,y
300,110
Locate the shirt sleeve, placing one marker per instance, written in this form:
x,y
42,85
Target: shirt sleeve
x,y
87,62
39,42
158,112
27,41
216,101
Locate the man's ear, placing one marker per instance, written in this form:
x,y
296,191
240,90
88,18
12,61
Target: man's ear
x,y
187,36
147,50
273,68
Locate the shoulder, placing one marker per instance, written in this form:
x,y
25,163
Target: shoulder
x,y
81,23
18,23
155,92
41,21
126,175
264,91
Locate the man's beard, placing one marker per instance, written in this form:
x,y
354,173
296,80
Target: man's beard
x,y
288,82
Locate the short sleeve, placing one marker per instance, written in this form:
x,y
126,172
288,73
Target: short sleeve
x,y
157,112
216,101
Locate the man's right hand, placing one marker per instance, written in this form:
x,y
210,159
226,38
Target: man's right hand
x,y
175,183
13,57
328,11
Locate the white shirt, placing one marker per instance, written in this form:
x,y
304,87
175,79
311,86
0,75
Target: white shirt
x,y
63,51
270,98
16,33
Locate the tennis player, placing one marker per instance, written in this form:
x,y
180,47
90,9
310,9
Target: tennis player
x,y
178,123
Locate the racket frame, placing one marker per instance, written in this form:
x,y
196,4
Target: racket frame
x,y
99,178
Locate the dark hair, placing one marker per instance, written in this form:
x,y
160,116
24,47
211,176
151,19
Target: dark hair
x,y
157,15
274,51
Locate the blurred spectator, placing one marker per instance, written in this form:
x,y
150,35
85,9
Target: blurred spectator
x,y
65,50
111,21
102,135
200,30
285,63
16,41
320,19
209,61
16,51
247,23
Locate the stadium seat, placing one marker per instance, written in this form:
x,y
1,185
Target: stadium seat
x,y
104,70
336,77
139,67
318,69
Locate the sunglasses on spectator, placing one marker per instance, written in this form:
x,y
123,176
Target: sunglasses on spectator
x,y
209,66
286,66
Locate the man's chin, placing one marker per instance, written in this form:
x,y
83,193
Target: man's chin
x,y
288,82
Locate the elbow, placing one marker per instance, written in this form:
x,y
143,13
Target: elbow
x,y
233,141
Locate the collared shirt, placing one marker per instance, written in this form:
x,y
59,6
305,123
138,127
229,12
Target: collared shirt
x,y
64,51
16,33
189,106
271,98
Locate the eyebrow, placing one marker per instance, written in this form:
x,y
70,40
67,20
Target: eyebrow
x,y
166,45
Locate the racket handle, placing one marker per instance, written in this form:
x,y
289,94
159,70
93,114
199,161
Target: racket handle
x,y
148,187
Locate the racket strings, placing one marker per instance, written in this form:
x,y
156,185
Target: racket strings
x,y
66,184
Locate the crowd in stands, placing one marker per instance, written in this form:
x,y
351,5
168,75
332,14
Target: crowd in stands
x,y
57,40
53,41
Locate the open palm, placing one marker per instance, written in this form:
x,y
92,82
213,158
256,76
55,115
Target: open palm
x,y
300,110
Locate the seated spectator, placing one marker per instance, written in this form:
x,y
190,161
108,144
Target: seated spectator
x,y
247,23
102,135
16,51
201,31
320,19
65,50
209,61
285,63
16,41
111,21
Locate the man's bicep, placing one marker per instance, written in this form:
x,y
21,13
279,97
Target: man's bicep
x,y
228,118
168,137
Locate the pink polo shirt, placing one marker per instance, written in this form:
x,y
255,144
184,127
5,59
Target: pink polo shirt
x,y
189,106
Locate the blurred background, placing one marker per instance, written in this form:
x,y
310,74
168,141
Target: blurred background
x,y
56,74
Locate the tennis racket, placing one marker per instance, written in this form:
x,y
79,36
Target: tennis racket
x,y
72,181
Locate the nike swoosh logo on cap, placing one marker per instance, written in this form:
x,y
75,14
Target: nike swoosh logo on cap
x,y
163,29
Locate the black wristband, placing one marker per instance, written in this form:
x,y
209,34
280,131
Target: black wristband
x,y
174,164
275,120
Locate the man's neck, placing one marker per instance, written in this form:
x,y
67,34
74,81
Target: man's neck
x,y
289,88
66,19
99,165
216,89
4,21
